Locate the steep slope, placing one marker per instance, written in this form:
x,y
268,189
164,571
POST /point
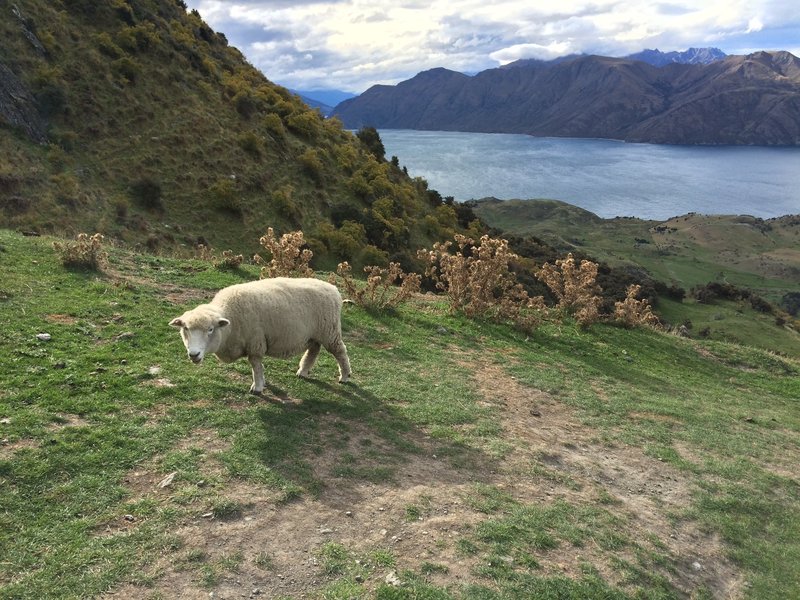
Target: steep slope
x,y
135,119
751,99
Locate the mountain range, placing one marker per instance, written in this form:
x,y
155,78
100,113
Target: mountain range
x,y
692,56
752,100
323,100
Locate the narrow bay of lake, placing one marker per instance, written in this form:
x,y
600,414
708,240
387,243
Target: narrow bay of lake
x,y
607,177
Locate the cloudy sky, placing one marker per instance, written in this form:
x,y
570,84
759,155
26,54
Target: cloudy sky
x,y
353,44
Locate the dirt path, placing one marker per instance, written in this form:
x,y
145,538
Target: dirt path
x,y
275,547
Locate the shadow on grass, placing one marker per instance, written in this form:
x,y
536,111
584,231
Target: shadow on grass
x,y
341,436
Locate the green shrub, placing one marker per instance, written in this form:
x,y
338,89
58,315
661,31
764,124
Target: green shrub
x,y
346,157
250,143
138,38
126,68
371,140
274,127
370,255
67,189
121,207
225,196
345,242
312,164
360,187
123,11
307,123
51,99
245,104
107,46
283,202
147,192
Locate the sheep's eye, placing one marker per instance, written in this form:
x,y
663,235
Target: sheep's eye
x,y
210,330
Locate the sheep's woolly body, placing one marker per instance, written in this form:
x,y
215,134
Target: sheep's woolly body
x,y
278,317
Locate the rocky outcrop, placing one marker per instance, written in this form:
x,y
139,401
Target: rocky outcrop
x,y
18,107
748,100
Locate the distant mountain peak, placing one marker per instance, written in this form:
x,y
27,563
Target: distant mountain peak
x,y
692,56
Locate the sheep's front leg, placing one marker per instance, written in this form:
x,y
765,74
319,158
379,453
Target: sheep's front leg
x,y
258,375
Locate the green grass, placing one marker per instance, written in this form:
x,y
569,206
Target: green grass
x,y
111,393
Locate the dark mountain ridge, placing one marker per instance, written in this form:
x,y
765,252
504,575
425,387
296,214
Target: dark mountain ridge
x,y
753,99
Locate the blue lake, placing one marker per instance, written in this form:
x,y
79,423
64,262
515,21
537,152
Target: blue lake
x,y
609,178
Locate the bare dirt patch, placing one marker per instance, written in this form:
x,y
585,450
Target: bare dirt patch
x,y
61,319
271,549
8,447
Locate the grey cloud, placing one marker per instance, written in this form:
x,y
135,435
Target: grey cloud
x,y
457,33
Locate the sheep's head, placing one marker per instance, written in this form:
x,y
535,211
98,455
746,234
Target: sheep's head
x,y
201,331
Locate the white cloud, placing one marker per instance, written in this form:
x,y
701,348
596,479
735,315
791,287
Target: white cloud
x,y
519,51
352,44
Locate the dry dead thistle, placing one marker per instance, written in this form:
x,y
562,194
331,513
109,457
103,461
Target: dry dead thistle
x,y
381,290
289,258
204,253
575,286
478,281
85,252
228,260
635,313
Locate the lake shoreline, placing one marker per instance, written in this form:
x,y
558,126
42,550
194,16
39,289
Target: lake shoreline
x,y
477,202
610,178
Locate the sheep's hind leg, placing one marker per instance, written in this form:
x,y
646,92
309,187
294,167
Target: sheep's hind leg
x,y
339,351
258,375
308,360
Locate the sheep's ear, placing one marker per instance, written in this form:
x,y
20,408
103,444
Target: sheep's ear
x,y
176,322
223,323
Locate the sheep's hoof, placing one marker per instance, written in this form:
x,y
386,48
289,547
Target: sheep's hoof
x,y
256,392
302,374
344,378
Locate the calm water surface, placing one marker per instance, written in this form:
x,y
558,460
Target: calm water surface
x,y
606,177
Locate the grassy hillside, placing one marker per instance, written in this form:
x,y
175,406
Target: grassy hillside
x,y
161,135
465,460
686,251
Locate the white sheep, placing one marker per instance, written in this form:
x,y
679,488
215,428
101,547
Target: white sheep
x,y
278,317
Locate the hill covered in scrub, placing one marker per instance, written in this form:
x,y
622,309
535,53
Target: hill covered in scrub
x,y
135,119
